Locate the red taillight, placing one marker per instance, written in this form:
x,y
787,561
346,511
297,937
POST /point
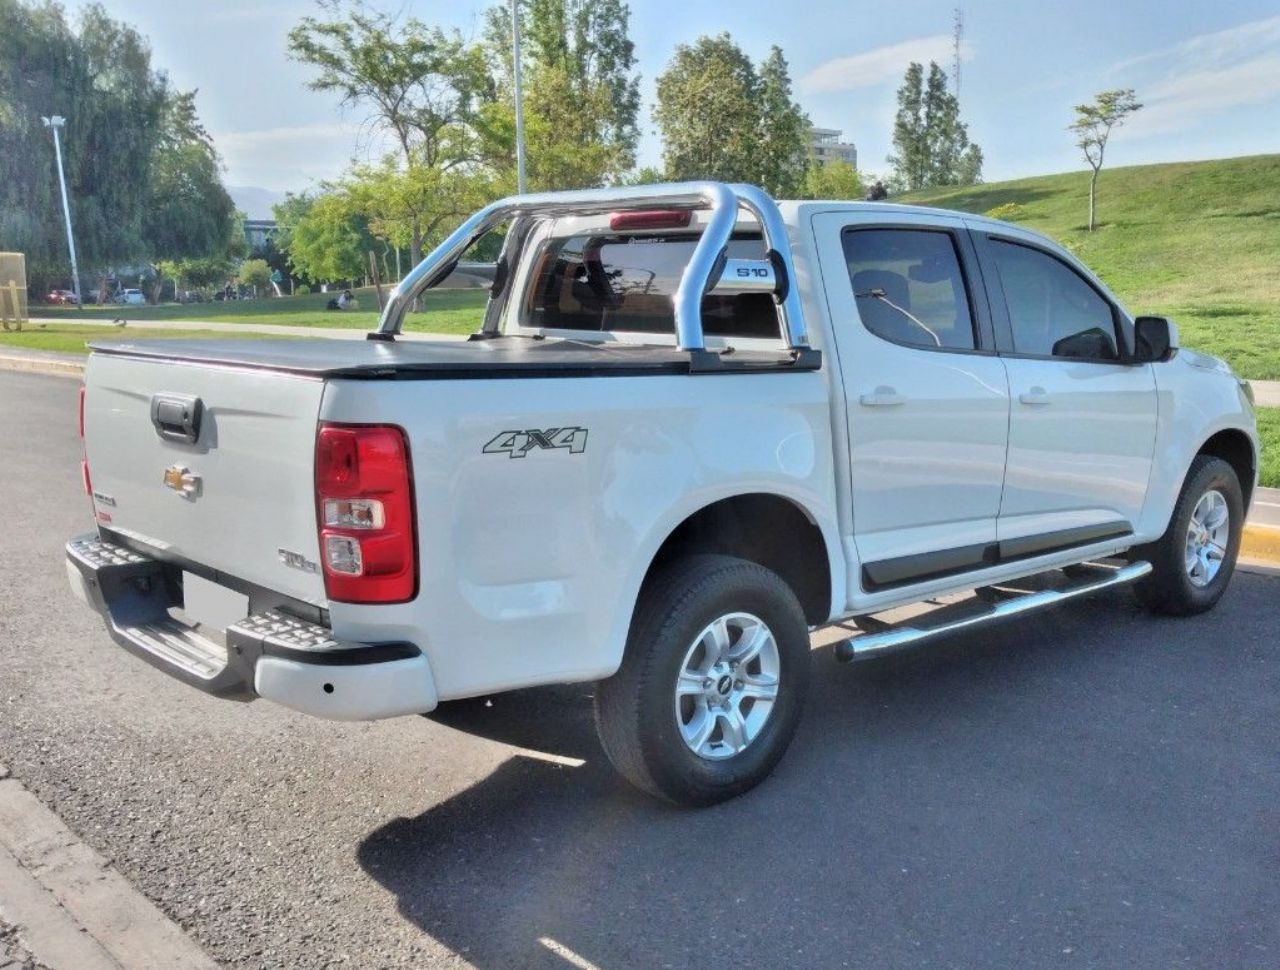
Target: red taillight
x,y
84,475
81,412
364,510
651,219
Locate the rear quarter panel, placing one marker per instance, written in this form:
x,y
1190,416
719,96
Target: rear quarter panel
x,y
530,566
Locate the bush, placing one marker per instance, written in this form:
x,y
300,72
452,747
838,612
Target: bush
x,y
301,289
1010,212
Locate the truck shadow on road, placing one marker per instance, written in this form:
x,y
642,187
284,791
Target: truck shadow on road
x,y
929,805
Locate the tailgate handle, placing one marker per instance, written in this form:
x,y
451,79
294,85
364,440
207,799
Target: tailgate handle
x,y
177,416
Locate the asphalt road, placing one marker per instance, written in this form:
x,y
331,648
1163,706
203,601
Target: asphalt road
x,y
1091,788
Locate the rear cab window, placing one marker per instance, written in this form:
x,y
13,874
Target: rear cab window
x,y
618,283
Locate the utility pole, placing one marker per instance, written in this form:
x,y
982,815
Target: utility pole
x,y
515,70
957,37
55,122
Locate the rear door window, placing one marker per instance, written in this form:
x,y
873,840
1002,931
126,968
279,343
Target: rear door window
x,y
625,282
909,287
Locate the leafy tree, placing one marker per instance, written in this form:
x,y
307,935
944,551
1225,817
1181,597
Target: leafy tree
x,y
100,79
189,214
720,118
581,93
783,146
255,273
419,84
329,241
931,144
837,179
1092,128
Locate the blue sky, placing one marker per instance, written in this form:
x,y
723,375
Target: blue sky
x,y
1209,73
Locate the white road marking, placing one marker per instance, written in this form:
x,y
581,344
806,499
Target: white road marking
x,y
567,955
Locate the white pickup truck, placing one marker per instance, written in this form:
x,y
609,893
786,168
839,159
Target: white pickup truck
x,y
694,425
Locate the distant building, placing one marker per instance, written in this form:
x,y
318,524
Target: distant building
x,y
827,145
257,232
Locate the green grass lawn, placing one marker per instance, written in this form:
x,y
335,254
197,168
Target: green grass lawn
x,y
1269,429
68,338
1197,241
443,311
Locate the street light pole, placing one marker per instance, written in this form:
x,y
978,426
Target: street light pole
x,y
55,122
515,70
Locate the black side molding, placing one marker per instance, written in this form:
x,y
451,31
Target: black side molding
x,y
916,568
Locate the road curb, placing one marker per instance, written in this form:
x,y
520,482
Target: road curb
x,y
73,910
32,364
1261,544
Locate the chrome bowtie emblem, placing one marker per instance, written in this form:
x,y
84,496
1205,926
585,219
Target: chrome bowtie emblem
x,y
182,480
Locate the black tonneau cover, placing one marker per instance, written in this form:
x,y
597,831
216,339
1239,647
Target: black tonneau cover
x,y
458,359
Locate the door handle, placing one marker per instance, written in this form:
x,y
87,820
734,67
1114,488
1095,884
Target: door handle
x,y
1037,397
882,397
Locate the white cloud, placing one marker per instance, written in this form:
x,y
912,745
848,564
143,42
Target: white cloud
x,y
882,64
1184,85
293,156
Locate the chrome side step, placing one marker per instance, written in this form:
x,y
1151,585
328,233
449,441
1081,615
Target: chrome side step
x,y
869,645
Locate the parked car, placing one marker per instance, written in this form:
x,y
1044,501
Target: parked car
x,y
695,425
130,297
62,298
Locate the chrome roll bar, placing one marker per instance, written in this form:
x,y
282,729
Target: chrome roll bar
x,y
703,273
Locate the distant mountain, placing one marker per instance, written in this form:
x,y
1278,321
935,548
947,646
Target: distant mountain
x,y
254,202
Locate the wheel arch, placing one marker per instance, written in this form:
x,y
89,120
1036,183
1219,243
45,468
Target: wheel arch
x,y
1235,447
767,528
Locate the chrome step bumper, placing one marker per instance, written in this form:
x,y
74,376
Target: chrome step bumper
x,y
913,632
268,654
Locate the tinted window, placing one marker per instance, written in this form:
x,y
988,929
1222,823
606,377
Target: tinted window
x,y
626,282
1052,310
909,287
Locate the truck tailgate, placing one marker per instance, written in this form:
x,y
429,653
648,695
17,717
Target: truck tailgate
x,y
239,497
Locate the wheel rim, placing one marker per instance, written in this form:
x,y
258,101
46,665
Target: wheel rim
x,y
1207,535
728,686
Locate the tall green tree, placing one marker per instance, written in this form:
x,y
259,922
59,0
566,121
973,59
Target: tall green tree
x,y
99,77
783,148
329,240
931,144
581,92
189,214
722,118
420,85
1092,128
836,179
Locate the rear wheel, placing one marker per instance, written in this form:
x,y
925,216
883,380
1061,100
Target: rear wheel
x,y
713,682
1193,561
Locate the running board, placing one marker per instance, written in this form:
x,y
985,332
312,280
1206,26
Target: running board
x,y
893,639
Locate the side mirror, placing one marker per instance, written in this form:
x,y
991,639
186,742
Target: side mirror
x,y
1156,339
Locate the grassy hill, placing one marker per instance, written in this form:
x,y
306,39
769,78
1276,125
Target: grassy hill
x,y
1197,241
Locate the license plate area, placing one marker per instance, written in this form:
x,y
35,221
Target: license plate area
x,y
209,604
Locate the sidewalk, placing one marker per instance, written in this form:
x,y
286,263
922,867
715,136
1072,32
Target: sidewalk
x,y
1266,394
63,907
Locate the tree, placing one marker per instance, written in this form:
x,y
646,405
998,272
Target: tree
x,y
837,179
255,273
189,214
721,118
783,147
330,240
99,77
1092,128
931,143
419,84
581,93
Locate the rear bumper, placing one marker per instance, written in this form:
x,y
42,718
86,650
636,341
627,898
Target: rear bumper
x,y
268,654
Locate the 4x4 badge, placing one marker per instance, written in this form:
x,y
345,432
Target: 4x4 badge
x,y
517,444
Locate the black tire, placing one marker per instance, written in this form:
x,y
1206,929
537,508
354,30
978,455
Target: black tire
x,y
1169,589
636,708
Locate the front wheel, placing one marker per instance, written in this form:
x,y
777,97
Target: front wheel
x,y
712,684
1193,561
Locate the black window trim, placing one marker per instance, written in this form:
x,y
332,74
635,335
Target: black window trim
x,y
980,314
1000,307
